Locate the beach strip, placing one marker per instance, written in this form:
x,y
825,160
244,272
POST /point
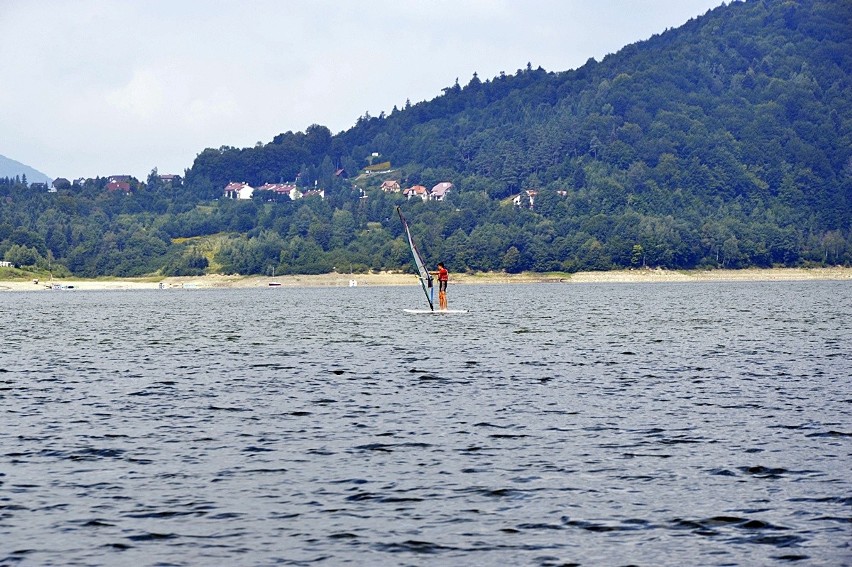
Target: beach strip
x,y
395,278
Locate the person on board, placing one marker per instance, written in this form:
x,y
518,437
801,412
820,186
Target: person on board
x,y
443,278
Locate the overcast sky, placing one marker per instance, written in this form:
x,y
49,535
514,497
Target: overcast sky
x,y
103,87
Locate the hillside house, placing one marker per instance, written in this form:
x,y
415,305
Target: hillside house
x,y
170,180
391,186
288,189
61,183
439,191
118,186
315,193
526,198
236,190
417,191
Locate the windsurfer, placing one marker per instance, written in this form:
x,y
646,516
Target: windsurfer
x,y
443,278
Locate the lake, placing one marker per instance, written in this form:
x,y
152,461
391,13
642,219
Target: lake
x,y
552,424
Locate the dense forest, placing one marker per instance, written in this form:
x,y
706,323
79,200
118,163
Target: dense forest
x,y
724,143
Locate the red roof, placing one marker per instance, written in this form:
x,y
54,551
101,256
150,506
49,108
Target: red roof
x,y
415,190
284,188
118,186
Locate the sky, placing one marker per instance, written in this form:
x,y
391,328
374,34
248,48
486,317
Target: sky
x,y
119,87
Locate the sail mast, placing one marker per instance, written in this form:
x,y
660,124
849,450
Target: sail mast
x,y
423,272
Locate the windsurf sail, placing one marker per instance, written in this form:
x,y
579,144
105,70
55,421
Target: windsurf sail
x,y
423,273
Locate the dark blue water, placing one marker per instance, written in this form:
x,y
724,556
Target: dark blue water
x,y
656,424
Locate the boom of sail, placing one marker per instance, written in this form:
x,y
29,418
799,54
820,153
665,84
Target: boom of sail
x,y
423,273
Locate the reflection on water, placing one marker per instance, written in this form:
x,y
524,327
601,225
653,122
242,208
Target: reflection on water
x,y
552,424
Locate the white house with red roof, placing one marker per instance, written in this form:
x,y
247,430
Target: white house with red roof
x,y
417,191
236,190
288,189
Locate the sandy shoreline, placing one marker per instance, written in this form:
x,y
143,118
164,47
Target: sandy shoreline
x,y
387,278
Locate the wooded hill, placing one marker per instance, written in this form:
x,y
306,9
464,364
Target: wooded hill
x,y
724,143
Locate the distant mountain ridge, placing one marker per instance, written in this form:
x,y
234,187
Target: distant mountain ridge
x,y
11,168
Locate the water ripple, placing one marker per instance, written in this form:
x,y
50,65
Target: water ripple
x,y
551,425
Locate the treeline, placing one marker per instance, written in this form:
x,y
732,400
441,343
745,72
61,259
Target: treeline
x,y
724,143
93,233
